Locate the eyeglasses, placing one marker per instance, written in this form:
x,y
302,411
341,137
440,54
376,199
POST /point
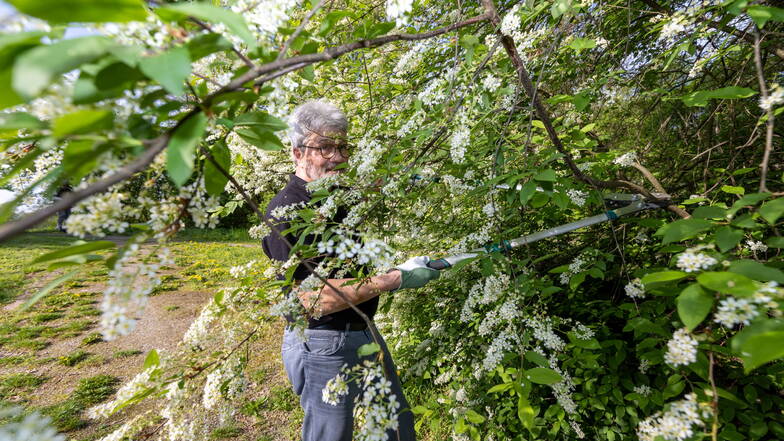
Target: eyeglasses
x,y
329,151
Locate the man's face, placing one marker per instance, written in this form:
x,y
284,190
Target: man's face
x,y
312,163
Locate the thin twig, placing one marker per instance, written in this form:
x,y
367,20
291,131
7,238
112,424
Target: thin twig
x,y
298,31
763,187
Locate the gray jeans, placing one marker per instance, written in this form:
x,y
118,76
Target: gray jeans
x,y
311,364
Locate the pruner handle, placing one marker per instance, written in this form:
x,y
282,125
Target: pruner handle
x,y
438,264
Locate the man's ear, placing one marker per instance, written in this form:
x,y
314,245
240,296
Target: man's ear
x,y
297,153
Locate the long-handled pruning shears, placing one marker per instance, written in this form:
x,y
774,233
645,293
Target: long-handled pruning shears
x,y
619,204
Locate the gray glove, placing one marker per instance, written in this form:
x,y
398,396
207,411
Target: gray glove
x,y
414,273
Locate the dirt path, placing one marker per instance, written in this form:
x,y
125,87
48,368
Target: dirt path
x,y
272,409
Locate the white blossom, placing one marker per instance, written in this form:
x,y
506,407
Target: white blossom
x,y
681,349
756,246
774,98
676,423
635,289
626,160
690,261
578,197
643,390
31,427
491,83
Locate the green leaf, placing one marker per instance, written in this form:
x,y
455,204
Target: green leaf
x,y
260,120
152,359
214,180
579,44
710,212
776,242
682,229
546,175
474,417
19,120
46,289
500,388
8,97
537,358
727,238
560,7
331,19
83,11
182,145
213,14
37,68
263,139
701,98
694,304
528,190
525,412
771,211
171,69
733,190
540,375
762,14
368,349
726,282
78,248
749,199
82,121
205,44
663,277
757,271
469,42
759,343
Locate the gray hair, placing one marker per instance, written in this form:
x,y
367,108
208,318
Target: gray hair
x,y
317,116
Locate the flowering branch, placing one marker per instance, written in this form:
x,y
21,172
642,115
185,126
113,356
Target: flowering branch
x,y
261,73
544,116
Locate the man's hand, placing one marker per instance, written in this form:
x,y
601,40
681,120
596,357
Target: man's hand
x,y
414,273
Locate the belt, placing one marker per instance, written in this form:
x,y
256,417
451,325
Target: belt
x,y
351,326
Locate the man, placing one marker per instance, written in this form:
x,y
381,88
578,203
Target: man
x,y
62,215
318,131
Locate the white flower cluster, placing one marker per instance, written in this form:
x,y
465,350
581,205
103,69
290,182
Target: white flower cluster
x,y
491,83
411,59
376,411
264,15
335,388
373,251
626,160
413,123
489,209
511,22
502,343
510,25
200,328
676,24
691,261
635,289
240,271
583,332
578,197
575,267
368,153
31,427
756,246
398,10
774,98
152,33
544,333
484,292
201,206
733,312
681,349
94,215
676,423
643,390
433,94
140,383
126,293
259,231
287,212
458,144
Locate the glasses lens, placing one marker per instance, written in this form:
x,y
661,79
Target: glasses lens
x,y
328,151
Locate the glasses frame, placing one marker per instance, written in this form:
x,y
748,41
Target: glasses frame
x,y
344,149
